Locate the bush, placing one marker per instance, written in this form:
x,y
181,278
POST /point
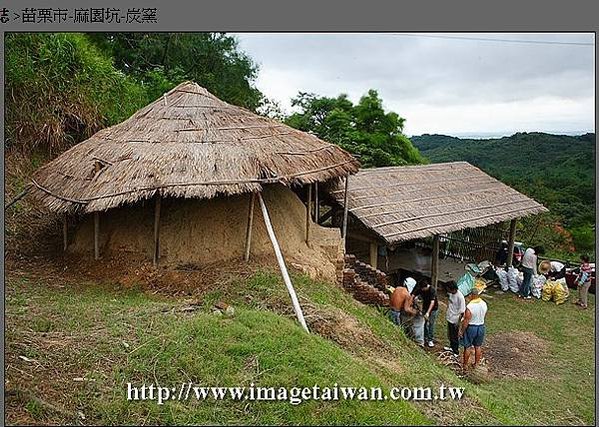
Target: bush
x,y
60,89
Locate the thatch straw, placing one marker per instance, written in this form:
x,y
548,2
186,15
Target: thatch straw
x,y
411,202
186,144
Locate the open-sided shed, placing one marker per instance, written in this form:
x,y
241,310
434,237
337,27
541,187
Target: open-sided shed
x,y
392,205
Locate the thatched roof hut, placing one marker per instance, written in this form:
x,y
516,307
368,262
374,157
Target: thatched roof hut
x,y
191,145
411,202
187,144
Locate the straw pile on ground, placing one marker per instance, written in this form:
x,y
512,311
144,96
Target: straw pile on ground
x,y
411,202
187,144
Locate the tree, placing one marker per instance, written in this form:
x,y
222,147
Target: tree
x,y
364,129
163,60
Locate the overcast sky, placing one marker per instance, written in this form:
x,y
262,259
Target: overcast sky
x,y
437,82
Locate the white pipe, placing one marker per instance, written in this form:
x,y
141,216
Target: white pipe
x,y
281,261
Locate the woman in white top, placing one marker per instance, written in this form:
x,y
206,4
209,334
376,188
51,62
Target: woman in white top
x,y
472,331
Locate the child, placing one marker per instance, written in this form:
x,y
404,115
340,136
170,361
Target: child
x,y
583,281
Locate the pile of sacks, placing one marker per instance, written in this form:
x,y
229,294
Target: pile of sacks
x,y
509,280
555,290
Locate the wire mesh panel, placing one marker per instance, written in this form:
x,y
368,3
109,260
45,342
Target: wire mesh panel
x,y
471,244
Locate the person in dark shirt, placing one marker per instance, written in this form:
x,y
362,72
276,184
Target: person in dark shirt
x,y
502,253
430,309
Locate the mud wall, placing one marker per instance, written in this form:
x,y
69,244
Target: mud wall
x,y
206,231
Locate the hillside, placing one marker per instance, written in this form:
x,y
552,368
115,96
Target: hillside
x,y
556,170
73,344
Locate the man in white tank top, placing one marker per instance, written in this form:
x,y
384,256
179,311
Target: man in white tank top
x,y
472,331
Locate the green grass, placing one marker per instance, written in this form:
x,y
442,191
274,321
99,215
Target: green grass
x,y
567,391
111,336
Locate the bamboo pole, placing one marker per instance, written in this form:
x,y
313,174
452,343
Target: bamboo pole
x,y
248,232
316,204
281,261
510,242
65,237
19,196
157,206
345,209
308,213
374,254
435,262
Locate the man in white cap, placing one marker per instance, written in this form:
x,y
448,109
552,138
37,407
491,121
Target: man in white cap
x,y
404,313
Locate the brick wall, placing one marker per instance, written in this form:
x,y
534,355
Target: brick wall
x,y
367,284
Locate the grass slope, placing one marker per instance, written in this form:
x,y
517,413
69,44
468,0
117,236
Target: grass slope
x,y
111,336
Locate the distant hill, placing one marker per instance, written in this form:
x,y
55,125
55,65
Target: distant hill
x,y
556,170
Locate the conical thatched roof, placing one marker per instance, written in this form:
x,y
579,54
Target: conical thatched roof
x,y
186,144
412,202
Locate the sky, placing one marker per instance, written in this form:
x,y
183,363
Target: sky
x,y
461,84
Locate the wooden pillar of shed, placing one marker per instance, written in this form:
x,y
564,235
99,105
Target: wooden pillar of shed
x,y
510,242
248,232
345,209
435,262
65,236
374,254
308,213
157,205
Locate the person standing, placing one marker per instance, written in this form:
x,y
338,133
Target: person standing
x,y
417,321
529,268
583,281
472,330
430,307
456,306
502,254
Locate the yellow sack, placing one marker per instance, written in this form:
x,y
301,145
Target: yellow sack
x,y
480,285
547,293
555,291
560,295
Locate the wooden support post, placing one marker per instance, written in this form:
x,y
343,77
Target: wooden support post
x,y
316,204
281,261
97,167
510,242
157,206
96,235
345,209
374,254
65,237
435,262
308,213
248,232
